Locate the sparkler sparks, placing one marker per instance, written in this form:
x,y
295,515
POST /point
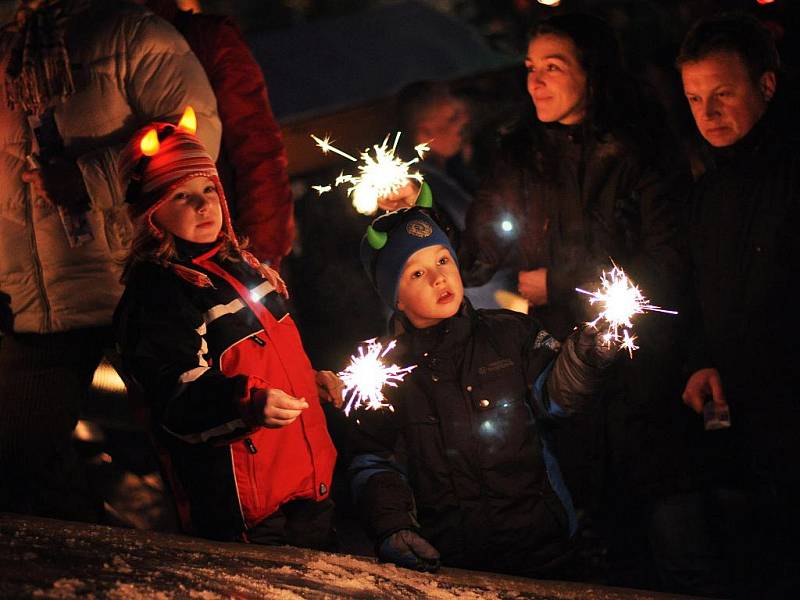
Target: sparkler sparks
x,y
381,173
620,300
366,375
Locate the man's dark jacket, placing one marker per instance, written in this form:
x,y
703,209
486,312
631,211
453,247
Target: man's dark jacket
x,y
746,255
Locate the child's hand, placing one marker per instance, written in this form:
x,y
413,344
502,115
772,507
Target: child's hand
x,y
330,387
275,279
408,549
591,349
281,409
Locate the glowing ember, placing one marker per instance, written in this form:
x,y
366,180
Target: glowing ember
x,y
366,375
381,173
620,300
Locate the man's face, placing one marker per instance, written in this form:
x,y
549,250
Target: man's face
x,y
430,287
726,103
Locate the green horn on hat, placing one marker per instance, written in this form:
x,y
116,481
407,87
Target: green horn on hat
x,y
376,239
425,198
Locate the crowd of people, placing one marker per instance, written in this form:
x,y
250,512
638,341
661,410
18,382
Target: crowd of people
x,y
519,440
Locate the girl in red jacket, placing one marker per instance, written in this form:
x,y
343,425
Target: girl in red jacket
x,y
206,339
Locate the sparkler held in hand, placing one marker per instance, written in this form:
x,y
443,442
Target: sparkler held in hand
x,y
380,174
367,374
620,300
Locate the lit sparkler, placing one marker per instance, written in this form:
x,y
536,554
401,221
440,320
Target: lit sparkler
x,y
381,173
620,301
367,374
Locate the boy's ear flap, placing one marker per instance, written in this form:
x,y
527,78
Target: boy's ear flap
x,y
425,198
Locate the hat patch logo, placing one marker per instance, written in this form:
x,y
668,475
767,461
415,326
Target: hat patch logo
x,y
419,229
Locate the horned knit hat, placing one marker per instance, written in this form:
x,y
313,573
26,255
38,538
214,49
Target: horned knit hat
x,y
158,159
392,238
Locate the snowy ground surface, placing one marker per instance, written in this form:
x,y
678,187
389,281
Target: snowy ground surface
x,y
43,558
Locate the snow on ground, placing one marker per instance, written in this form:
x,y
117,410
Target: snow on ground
x,y
42,558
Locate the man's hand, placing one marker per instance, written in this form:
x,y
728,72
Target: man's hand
x,y
330,388
533,286
408,549
702,385
281,409
405,197
60,182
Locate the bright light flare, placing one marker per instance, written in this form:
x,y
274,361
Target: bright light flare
x,y
620,300
367,374
381,173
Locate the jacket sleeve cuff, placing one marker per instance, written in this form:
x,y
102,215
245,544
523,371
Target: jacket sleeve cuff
x,y
572,383
387,505
252,398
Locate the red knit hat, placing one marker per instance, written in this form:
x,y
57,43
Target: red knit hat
x,y
158,159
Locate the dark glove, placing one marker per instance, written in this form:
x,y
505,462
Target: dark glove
x,y
592,349
407,549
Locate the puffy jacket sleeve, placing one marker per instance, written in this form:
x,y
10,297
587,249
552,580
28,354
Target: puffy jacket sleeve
x,y
161,76
572,383
161,341
561,383
253,144
377,481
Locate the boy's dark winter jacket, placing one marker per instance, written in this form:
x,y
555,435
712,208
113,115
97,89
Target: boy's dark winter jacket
x,y
463,457
200,355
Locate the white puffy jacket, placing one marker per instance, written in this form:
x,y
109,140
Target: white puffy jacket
x,y
130,68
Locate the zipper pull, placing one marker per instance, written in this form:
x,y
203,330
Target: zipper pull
x,y
251,447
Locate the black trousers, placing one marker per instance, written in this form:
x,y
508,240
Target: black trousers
x,y
303,523
44,380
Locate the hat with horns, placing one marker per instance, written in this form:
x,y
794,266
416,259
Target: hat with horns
x,y
158,159
392,238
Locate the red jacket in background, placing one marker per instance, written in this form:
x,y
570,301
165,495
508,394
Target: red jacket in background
x,y
253,161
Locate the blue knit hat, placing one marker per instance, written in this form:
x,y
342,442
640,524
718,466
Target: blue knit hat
x,y
392,238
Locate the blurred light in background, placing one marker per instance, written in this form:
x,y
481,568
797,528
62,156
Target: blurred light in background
x,y
193,5
107,380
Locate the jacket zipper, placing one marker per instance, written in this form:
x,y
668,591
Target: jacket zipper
x,y
37,264
251,464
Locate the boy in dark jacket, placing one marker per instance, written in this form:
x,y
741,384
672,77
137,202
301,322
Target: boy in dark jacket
x,y
459,470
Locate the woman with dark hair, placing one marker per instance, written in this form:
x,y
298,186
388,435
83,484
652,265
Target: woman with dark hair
x,y
591,176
